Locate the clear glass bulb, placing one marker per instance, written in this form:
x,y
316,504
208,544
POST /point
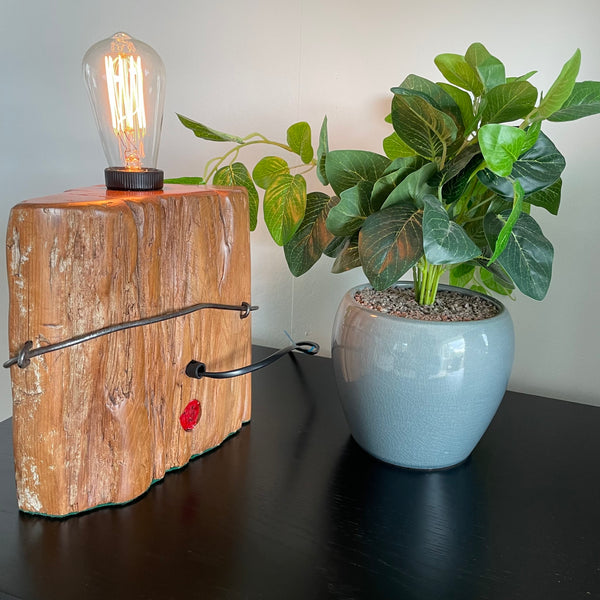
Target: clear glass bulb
x,y
125,79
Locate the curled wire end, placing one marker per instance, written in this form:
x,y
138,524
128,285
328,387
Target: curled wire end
x,y
197,370
246,310
22,359
310,348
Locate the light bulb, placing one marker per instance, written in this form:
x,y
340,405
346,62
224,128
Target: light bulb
x,y
125,79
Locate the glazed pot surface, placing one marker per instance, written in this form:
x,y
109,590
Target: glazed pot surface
x,y
420,394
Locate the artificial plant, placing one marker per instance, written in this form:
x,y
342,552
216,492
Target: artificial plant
x,y
463,165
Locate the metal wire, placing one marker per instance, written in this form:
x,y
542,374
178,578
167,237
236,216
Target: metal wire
x,y
27,352
197,370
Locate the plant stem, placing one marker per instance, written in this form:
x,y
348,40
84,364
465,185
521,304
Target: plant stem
x,y
220,159
248,141
426,280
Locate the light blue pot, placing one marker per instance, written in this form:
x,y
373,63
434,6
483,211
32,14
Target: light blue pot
x,y
420,394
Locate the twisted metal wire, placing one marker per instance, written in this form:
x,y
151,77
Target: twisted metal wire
x,y
27,352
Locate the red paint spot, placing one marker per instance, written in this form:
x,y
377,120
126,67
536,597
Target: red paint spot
x,y
191,415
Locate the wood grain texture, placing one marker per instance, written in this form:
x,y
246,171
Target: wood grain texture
x,y
98,423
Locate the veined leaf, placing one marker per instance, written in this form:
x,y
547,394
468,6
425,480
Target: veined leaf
x,y
284,205
394,147
501,146
390,243
455,182
492,283
561,89
535,169
351,211
413,187
444,241
490,70
322,152
583,102
206,133
459,162
527,258
461,275
392,177
458,71
268,169
508,102
334,247
237,174
312,237
299,140
464,103
497,271
345,168
548,198
424,128
433,94
348,256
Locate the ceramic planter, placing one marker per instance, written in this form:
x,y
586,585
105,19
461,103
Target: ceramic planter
x,y
420,394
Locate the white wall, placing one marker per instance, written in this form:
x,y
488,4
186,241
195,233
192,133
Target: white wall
x,y
262,65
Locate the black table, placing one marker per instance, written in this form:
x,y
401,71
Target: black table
x,y
291,507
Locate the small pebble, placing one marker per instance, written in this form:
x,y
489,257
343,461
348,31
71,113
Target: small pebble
x,y
448,305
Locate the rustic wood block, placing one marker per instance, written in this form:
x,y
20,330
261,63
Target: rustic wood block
x,y
99,422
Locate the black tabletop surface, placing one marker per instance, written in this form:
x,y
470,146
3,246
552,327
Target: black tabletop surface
x,y
291,507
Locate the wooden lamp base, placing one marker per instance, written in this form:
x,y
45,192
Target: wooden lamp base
x,y
98,423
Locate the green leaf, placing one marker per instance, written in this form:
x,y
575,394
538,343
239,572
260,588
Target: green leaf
x,y
413,187
394,147
508,102
521,77
393,175
299,140
490,70
528,255
433,94
284,206
444,241
390,243
478,288
345,168
583,102
206,133
464,103
186,180
457,70
561,89
501,146
237,174
268,169
532,133
503,236
460,275
548,198
353,208
458,173
348,258
489,280
312,237
322,152
497,271
535,169
335,246
424,128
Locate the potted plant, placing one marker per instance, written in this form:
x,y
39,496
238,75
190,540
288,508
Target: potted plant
x,y
463,165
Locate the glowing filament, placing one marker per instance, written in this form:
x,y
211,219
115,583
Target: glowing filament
x,y
125,82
